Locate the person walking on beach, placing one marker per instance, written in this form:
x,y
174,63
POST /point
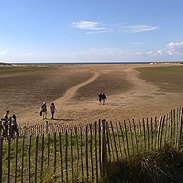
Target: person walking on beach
x,y
52,109
100,98
103,98
44,110
14,126
6,123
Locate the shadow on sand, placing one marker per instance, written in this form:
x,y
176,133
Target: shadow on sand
x,y
62,119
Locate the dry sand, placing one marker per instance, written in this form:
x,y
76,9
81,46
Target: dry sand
x,y
128,96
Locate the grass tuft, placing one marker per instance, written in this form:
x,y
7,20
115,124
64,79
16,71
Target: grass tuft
x,y
165,165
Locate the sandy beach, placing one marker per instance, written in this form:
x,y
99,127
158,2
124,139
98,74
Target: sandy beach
x,y
74,90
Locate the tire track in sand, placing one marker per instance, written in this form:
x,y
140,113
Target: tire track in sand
x,y
69,94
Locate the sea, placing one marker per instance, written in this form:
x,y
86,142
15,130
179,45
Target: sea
x,y
93,62
79,63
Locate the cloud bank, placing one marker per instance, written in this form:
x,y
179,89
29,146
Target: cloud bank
x,y
100,27
173,51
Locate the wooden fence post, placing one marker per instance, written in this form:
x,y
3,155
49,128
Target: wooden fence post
x,y
9,150
42,158
135,136
91,151
55,155
66,157
103,149
46,127
123,140
114,139
22,170
16,159
36,158
159,131
61,157
144,131
29,158
181,127
96,150
1,156
87,165
81,154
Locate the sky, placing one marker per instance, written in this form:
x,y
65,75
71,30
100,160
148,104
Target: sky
x,y
68,31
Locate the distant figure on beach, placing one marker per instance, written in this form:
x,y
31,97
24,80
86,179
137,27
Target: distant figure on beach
x,y
100,98
5,120
44,110
14,126
52,109
103,98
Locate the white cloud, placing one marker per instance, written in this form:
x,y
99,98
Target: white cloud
x,y
174,48
149,53
98,27
98,32
159,52
29,54
3,52
137,43
138,28
87,25
171,51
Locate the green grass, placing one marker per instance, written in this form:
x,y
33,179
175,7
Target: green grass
x,y
47,173
139,166
19,69
168,78
165,165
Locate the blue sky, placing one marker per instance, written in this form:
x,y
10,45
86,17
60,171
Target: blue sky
x,y
90,31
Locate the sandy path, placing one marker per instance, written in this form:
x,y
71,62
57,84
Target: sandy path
x,y
141,87
72,91
90,111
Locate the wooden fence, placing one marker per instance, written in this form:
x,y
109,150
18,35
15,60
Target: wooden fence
x,y
85,154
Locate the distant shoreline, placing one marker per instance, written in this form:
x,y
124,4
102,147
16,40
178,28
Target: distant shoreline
x,y
86,63
79,63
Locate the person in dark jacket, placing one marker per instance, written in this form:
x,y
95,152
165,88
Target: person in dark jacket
x,y
100,98
52,109
5,120
14,126
103,98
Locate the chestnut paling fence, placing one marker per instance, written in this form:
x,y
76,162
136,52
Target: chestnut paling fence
x,y
56,153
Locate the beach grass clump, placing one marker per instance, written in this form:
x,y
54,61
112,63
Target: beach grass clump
x,y
164,165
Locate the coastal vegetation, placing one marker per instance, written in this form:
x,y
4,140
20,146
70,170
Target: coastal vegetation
x,y
168,78
24,69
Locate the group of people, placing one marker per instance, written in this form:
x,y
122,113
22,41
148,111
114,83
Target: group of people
x,y
43,111
8,125
102,98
